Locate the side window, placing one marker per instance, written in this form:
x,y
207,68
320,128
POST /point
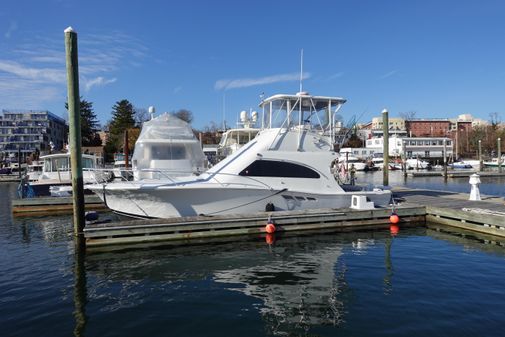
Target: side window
x,y
269,168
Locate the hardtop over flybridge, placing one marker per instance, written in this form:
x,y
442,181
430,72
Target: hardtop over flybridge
x,y
288,166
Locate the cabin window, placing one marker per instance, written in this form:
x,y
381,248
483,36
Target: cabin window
x,y
168,152
59,164
87,163
270,168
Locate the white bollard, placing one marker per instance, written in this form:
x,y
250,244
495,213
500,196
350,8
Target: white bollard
x,y
474,182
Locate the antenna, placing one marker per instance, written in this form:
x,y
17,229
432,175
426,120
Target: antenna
x,y
224,111
301,70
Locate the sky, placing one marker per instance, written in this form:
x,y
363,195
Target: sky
x,y
215,58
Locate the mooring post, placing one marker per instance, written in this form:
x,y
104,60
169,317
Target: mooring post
x,y
499,154
480,155
445,158
404,158
74,121
19,162
385,147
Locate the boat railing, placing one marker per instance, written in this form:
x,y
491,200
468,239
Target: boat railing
x,y
106,175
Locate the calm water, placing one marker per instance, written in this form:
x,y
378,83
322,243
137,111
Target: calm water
x,y
421,282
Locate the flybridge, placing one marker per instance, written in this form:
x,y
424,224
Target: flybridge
x,y
302,110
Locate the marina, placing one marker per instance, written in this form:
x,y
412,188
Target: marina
x,y
321,282
139,198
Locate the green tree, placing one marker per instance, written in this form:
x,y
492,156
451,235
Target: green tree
x,y
89,124
123,117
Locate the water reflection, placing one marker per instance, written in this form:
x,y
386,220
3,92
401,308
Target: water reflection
x,y
299,282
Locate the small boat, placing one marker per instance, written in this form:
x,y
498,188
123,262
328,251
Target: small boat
x,y
350,161
287,166
494,162
56,172
416,163
460,165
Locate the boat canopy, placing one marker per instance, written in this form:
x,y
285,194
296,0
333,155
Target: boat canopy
x,y
302,109
168,142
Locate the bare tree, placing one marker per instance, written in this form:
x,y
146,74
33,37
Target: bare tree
x,y
408,115
184,114
494,120
141,116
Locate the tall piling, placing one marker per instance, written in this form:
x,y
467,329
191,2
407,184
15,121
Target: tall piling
x,y
385,147
445,159
19,162
499,154
74,122
480,155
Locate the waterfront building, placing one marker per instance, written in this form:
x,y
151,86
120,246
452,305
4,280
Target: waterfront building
x,y
413,147
29,131
397,127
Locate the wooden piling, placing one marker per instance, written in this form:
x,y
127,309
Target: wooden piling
x,y
19,162
74,122
445,159
385,147
480,156
499,154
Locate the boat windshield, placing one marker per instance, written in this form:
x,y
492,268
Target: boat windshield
x,y
62,164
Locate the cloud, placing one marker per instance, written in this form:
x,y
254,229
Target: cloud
x,y
177,89
36,74
98,81
35,69
336,75
226,84
13,26
391,73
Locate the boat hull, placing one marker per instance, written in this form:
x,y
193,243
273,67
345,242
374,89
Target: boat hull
x,y
167,203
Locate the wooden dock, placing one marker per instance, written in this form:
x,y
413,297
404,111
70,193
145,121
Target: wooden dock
x,y
9,178
454,209
199,227
455,174
415,207
53,205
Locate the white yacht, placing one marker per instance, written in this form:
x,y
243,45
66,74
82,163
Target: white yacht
x,y
167,147
233,139
56,172
286,167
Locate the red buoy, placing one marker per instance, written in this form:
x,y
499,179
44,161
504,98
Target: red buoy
x,y
394,229
394,219
270,228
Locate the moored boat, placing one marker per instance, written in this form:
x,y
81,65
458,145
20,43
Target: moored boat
x,y
56,171
286,167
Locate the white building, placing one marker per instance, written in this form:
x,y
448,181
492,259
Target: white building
x,y
415,147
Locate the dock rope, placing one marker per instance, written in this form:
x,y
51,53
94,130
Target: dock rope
x,y
483,211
